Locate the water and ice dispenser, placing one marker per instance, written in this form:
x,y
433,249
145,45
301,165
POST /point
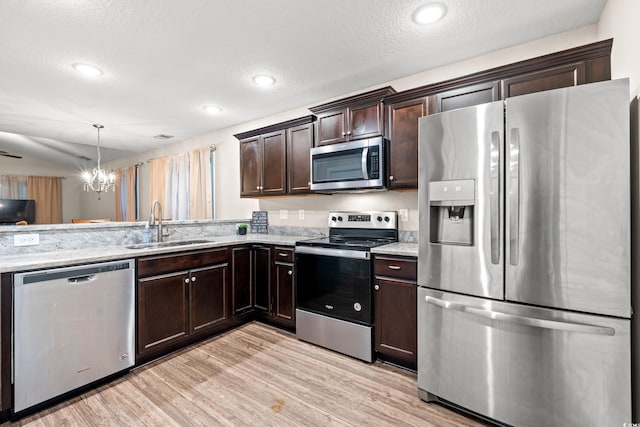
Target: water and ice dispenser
x,y
451,213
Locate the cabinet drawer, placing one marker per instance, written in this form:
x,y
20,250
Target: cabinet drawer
x,y
396,267
281,254
174,262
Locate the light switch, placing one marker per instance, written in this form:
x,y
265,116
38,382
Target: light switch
x,y
284,214
404,215
300,213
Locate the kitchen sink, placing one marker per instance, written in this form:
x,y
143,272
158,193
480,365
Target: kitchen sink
x,y
168,244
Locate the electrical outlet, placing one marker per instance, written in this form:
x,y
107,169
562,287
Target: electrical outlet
x,y
284,214
404,215
26,239
300,213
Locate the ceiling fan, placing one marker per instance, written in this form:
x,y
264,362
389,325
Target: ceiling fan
x,y
6,154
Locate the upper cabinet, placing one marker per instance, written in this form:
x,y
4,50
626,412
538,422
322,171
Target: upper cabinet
x,y
356,117
272,159
585,64
299,142
263,165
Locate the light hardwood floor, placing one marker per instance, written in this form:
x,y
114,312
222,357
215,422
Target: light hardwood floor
x,y
255,375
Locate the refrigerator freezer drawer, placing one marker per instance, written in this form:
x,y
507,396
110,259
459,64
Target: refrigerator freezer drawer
x,y
523,365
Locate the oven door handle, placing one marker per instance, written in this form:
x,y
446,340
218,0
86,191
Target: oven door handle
x,y
341,253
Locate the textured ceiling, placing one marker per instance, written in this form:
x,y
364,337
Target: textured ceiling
x,y
163,60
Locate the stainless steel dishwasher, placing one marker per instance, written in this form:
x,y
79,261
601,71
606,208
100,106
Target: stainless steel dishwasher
x,y
71,326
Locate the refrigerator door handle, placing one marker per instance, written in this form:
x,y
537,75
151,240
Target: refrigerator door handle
x,y
494,197
523,320
514,196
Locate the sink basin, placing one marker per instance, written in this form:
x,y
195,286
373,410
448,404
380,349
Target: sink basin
x,y
168,244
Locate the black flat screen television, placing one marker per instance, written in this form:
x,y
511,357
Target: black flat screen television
x,y
12,211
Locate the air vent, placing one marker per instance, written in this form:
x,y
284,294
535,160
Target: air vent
x,y
163,136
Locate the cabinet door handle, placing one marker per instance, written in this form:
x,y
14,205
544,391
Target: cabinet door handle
x,y
309,183
394,267
186,280
391,178
376,287
282,254
290,272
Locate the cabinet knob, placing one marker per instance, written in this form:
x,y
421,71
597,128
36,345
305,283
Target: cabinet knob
x,y
186,280
258,187
290,272
391,178
193,279
344,133
376,287
349,133
309,183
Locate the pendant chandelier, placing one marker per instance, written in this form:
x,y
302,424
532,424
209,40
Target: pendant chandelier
x,y
99,179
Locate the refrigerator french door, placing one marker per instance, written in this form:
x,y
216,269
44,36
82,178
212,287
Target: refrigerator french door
x,y
524,257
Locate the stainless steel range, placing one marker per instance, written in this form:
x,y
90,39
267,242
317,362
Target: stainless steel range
x,y
334,282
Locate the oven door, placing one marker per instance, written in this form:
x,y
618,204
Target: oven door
x,y
352,165
334,283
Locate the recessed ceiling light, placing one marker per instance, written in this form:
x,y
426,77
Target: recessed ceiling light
x,y
264,80
212,109
429,13
87,70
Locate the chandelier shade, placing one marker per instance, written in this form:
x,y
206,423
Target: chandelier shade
x,y
99,180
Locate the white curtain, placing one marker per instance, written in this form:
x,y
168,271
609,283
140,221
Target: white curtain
x,y
200,203
177,188
13,187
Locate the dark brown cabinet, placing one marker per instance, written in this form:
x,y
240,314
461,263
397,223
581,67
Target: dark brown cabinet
x,y
180,297
584,64
262,278
274,160
163,316
467,96
554,78
207,297
356,117
395,316
299,142
241,283
282,289
403,133
263,165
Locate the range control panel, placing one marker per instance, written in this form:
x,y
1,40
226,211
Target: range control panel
x,y
368,219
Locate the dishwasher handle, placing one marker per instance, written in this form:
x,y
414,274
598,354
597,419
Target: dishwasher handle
x,y
82,279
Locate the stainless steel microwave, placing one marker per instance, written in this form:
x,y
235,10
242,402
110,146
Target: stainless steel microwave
x,y
355,165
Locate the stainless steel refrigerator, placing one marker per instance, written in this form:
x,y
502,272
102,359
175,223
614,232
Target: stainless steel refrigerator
x,y
524,258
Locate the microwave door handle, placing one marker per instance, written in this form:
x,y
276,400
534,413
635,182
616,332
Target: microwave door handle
x,y
365,156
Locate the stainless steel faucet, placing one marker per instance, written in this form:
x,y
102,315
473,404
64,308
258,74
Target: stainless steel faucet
x,y
152,219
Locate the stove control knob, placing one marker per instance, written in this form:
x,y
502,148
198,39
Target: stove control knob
x,y
379,218
387,219
339,218
333,218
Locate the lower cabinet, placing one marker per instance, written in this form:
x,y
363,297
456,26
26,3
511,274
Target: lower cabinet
x,y
241,283
261,278
395,315
175,307
262,283
283,299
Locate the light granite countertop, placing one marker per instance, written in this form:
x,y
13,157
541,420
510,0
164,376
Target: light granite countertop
x,y
24,262
61,258
399,248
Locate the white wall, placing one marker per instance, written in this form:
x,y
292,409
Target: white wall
x,y
228,203
71,186
619,20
